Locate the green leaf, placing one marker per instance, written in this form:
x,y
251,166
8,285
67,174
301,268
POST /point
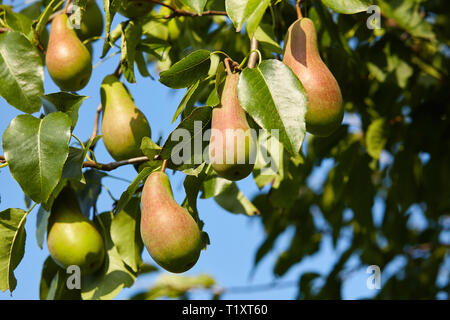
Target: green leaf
x,y
130,39
72,167
126,234
408,15
131,190
215,185
197,5
66,102
255,18
12,245
233,200
87,193
239,11
187,97
41,225
376,138
187,71
348,6
114,276
110,7
276,100
184,153
21,83
53,283
36,150
114,35
18,22
42,20
175,286
149,148
265,36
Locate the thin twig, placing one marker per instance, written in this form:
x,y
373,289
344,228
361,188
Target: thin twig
x,y
113,165
183,13
95,129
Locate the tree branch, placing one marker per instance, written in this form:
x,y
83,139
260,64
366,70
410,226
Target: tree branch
x,y
254,57
113,165
95,129
183,13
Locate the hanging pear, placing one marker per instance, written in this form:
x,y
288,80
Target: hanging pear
x,y
232,148
325,108
123,124
91,23
68,61
135,8
72,239
170,234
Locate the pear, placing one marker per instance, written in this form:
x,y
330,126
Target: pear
x,y
91,23
170,234
123,124
232,147
72,239
68,61
325,107
135,8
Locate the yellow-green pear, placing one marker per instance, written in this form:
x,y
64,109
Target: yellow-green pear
x,y
67,59
170,234
135,8
72,239
123,124
232,146
91,23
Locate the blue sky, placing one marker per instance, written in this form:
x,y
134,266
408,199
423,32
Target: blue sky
x,y
234,238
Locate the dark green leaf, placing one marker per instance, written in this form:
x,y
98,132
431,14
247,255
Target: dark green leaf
x,y
21,84
45,142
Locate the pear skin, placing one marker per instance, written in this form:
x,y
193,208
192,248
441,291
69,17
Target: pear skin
x,y
72,239
68,61
170,234
232,146
123,124
325,107
135,8
91,23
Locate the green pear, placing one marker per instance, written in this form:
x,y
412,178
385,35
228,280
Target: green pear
x,y
232,147
170,234
91,23
135,8
72,239
325,107
123,124
68,61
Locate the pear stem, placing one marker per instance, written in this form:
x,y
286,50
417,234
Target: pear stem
x,y
299,10
66,8
227,65
164,165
